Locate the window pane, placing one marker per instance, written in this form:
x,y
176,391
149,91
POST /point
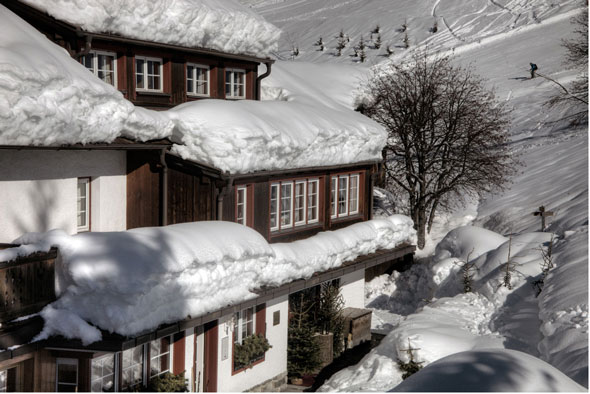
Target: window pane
x,y
300,202
354,184
274,190
343,195
139,77
228,83
87,60
286,203
334,184
312,201
241,206
3,380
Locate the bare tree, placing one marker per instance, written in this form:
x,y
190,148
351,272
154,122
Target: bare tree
x,y
447,135
576,94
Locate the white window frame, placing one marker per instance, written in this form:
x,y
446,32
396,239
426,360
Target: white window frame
x,y
232,83
276,211
244,190
66,361
86,211
4,381
357,194
239,329
287,184
102,376
94,69
147,59
335,211
195,80
159,355
304,183
317,201
143,368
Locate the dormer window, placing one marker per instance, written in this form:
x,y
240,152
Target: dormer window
x,y
103,65
148,74
235,83
197,80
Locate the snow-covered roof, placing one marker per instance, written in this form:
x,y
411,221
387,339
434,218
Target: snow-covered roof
x,y
131,281
49,99
222,25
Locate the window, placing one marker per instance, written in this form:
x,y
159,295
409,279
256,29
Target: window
x,y
344,195
294,203
241,205
67,374
197,79
83,205
132,368
159,356
3,381
148,74
103,374
103,65
244,324
235,83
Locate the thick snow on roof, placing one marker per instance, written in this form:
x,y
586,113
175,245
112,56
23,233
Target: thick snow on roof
x,y
131,281
222,25
497,370
47,98
247,136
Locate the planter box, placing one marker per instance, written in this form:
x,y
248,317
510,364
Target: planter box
x,y
326,342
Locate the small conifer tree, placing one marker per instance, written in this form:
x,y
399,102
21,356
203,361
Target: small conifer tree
x,y
329,315
363,55
406,40
389,50
412,366
361,44
378,42
404,26
303,350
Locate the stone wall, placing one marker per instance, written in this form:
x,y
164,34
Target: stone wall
x,y
276,384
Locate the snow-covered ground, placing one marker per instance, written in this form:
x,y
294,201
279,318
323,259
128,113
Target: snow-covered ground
x,y
426,305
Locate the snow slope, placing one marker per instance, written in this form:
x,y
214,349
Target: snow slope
x,y
498,38
223,25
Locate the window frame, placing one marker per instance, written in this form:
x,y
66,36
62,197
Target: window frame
x,y
66,361
101,378
335,212
160,355
87,181
245,216
145,73
231,83
278,211
95,53
239,323
143,382
194,79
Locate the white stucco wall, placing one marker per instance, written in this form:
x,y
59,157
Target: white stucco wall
x,y
275,361
352,288
38,190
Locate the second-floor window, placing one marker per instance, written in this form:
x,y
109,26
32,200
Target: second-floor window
x,y
294,203
103,65
132,368
344,197
83,209
235,83
197,79
148,74
242,205
103,373
67,374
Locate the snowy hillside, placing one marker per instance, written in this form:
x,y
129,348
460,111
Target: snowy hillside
x,y
426,305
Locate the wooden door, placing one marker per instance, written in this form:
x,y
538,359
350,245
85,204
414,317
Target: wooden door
x,y
210,359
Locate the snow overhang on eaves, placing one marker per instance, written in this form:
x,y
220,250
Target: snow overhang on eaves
x,y
22,10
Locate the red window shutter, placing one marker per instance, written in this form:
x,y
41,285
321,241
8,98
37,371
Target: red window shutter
x,y
179,353
261,319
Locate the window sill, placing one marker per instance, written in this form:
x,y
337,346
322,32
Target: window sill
x,y
192,95
237,371
295,229
346,218
152,93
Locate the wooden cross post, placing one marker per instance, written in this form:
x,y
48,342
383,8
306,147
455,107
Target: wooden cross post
x,y
541,212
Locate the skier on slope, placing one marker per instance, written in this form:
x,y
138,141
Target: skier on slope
x,y
533,69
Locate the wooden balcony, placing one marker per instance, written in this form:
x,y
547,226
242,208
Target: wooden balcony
x,y
27,284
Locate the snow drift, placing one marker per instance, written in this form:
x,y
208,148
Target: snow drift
x,y
131,281
223,25
489,370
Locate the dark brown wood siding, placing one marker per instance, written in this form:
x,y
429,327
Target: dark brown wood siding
x,y
143,189
190,197
44,371
261,207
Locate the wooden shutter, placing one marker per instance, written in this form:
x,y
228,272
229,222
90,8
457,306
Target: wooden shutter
x,y
261,319
179,353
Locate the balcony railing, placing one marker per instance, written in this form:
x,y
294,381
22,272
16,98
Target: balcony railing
x,y
27,284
